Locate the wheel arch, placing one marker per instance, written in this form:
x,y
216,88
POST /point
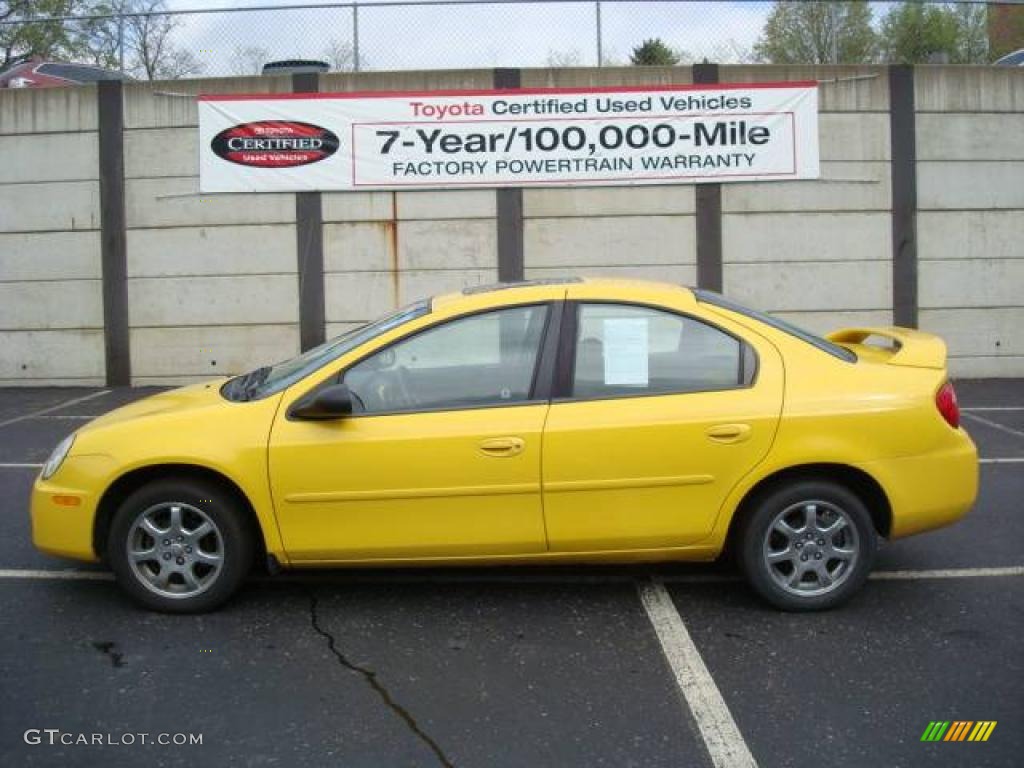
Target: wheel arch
x,y
131,481
866,487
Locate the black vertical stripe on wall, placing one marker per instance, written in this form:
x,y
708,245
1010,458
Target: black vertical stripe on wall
x,y
708,201
113,244
709,211
309,233
903,142
511,265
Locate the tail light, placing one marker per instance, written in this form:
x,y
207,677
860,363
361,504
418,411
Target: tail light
x,y
945,401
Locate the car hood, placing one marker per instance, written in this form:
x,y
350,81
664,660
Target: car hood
x,y
190,398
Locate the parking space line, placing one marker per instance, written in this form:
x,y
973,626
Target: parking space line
x,y
721,736
1004,460
64,575
983,408
994,424
53,408
20,466
948,573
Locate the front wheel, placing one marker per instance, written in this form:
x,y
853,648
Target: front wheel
x,y
180,546
808,546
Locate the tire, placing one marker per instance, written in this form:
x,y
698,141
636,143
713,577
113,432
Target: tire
x,y
800,569
186,561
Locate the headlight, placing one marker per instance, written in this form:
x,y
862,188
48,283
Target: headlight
x,y
57,457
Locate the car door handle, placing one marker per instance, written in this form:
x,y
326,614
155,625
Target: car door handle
x,y
729,433
502,446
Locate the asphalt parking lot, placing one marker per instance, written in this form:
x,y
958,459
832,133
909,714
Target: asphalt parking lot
x,y
637,666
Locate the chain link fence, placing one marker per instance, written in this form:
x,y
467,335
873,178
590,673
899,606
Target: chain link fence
x,y
146,39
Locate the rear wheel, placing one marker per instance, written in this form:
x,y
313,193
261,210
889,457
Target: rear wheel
x,y
180,546
808,546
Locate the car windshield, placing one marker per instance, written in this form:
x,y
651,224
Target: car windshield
x,y
270,379
717,300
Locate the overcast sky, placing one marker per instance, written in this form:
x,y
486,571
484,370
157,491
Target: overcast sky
x,y
505,34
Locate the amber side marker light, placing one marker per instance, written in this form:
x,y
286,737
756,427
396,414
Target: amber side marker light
x,y
67,501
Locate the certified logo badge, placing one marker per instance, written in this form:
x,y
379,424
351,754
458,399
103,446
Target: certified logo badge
x,y
958,730
274,144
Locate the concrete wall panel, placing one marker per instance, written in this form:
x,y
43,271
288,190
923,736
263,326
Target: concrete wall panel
x,y
972,283
48,110
49,256
608,201
842,187
200,352
969,89
173,104
854,137
356,297
454,204
987,332
358,206
49,157
229,250
970,137
609,241
811,285
209,301
680,274
840,89
959,186
427,245
971,234
64,357
63,205
362,246
176,202
157,152
72,304
789,237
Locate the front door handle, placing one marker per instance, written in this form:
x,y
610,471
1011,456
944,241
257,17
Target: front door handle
x,y
729,433
502,446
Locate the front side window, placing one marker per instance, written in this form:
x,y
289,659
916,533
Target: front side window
x,y
633,350
481,360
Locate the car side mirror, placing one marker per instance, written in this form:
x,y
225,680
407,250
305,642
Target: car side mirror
x,y
333,402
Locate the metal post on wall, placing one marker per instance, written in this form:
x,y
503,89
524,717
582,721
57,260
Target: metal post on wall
x,y
600,52
355,36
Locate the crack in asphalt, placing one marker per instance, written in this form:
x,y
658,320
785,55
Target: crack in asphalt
x,y
109,648
371,679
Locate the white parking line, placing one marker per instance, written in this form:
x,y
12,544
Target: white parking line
x,y
53,408
20,466
65,575
722,738
994,424
948,573
983,408
1005,460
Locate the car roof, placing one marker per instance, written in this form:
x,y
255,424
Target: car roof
x,y
594,288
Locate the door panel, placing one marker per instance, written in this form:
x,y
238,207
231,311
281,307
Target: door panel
x,y
410,485
652,470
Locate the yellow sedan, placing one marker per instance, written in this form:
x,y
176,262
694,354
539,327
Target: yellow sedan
x,y
546,422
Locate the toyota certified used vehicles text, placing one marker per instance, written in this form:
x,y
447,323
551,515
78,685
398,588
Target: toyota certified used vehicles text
x,y
560,421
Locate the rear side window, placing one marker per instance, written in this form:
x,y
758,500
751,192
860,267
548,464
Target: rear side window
x,y
717,300
633,350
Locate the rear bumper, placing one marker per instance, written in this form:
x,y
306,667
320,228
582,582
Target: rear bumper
x,y
931,490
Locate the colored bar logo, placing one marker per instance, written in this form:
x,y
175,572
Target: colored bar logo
x,y
958,730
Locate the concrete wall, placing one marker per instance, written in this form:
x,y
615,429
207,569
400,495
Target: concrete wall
x,y
970,176
212,281
51,309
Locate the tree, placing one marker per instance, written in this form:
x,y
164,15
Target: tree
x,y
563,59
148,37
45,39
654,53
248,60
340,55
915,33
798,32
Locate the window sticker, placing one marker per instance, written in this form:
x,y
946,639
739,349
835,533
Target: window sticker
x,y
625,351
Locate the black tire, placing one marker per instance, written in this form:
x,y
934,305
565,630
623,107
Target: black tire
x,y
198,503
794,580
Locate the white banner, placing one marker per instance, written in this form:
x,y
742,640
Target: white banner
x,y
523,138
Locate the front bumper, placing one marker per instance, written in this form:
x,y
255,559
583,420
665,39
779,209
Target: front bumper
x,y
931,490
63,508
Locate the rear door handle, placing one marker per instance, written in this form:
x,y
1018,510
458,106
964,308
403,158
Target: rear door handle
x,y
729,433
502,446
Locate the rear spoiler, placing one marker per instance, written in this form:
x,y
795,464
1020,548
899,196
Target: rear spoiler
x,y
910,347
